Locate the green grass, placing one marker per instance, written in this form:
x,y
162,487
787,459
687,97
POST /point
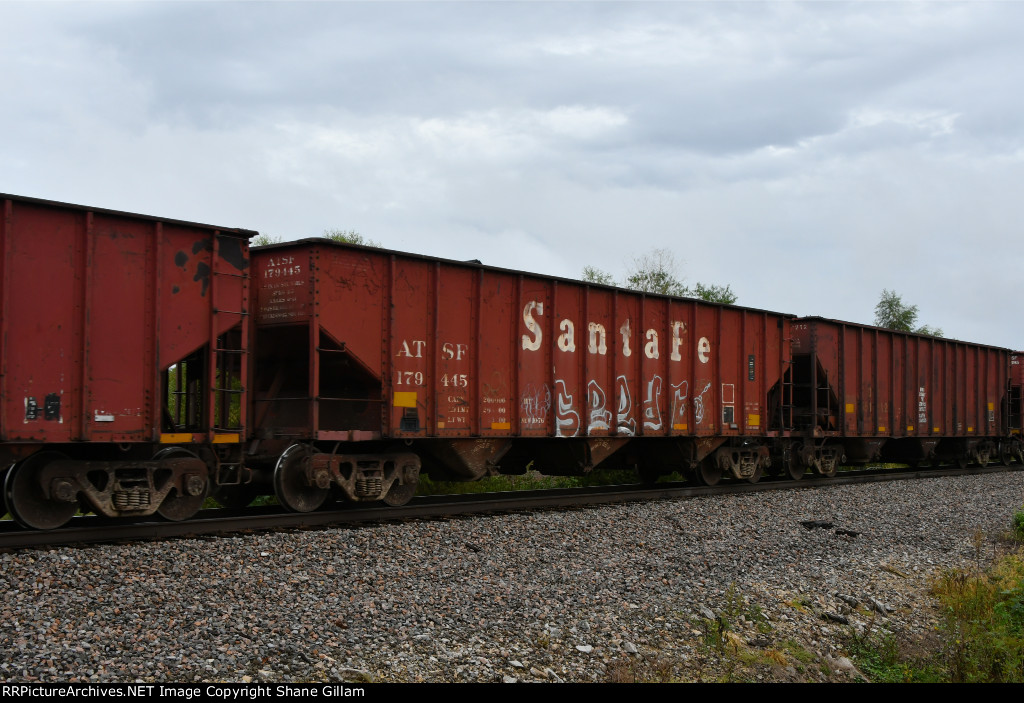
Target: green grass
x,y
983,619
980,638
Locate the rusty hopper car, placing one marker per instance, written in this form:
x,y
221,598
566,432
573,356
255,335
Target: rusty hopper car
x,y
372,364
122,349
859,393
1015,411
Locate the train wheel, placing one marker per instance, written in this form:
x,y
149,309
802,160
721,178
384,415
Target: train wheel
x,y
400,493
181,505
27,502
291,484
962,461
756,476
1006,457
709,473
236,496
178,505
795,470
3,499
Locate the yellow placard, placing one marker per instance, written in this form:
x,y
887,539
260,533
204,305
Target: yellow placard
x,y
881,429
501,425
405,399
849,408
175,438
679,427
754,420
227,438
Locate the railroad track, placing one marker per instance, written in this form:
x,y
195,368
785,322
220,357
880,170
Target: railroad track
x,y
92,529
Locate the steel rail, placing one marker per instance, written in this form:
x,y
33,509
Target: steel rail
x,y
92,529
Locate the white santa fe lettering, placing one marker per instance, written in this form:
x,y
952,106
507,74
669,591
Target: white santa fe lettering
x,y
531,324
624,331
677,339
598,344
703,349
651,348
567,340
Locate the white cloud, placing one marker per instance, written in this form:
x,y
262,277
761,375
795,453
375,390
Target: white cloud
x,y
808,154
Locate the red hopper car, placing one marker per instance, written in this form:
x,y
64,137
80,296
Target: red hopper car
x,y
862,393
371,364
121,356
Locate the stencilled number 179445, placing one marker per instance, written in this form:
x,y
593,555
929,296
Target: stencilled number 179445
x,y
457,380
409,378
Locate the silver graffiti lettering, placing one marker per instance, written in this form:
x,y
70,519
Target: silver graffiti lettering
x,y
698,405
682,390
652,404
600,418
567,420
624,424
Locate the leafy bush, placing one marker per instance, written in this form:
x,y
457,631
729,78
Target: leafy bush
x,y
983,618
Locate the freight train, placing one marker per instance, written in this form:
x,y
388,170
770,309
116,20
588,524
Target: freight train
x,y
148,363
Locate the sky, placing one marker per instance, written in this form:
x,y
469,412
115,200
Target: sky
x,y
809,155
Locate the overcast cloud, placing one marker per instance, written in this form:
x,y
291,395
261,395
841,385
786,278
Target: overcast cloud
x,y
808,154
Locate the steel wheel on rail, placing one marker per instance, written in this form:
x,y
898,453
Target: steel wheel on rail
x,y
186,500
28,503
795,468
831,471
400,494
3,499
709,472
292,483
756,476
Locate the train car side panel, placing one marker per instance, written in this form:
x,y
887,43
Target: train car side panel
x,y
902,396
454,378
43,313
414,299
659,394
532,362
484,368
497,350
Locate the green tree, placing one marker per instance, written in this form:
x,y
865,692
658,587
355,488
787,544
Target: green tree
x,y
262,240
349,236
892,313
655,272
714,293
592,274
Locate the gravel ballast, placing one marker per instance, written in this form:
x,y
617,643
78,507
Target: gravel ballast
x,y
655,591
